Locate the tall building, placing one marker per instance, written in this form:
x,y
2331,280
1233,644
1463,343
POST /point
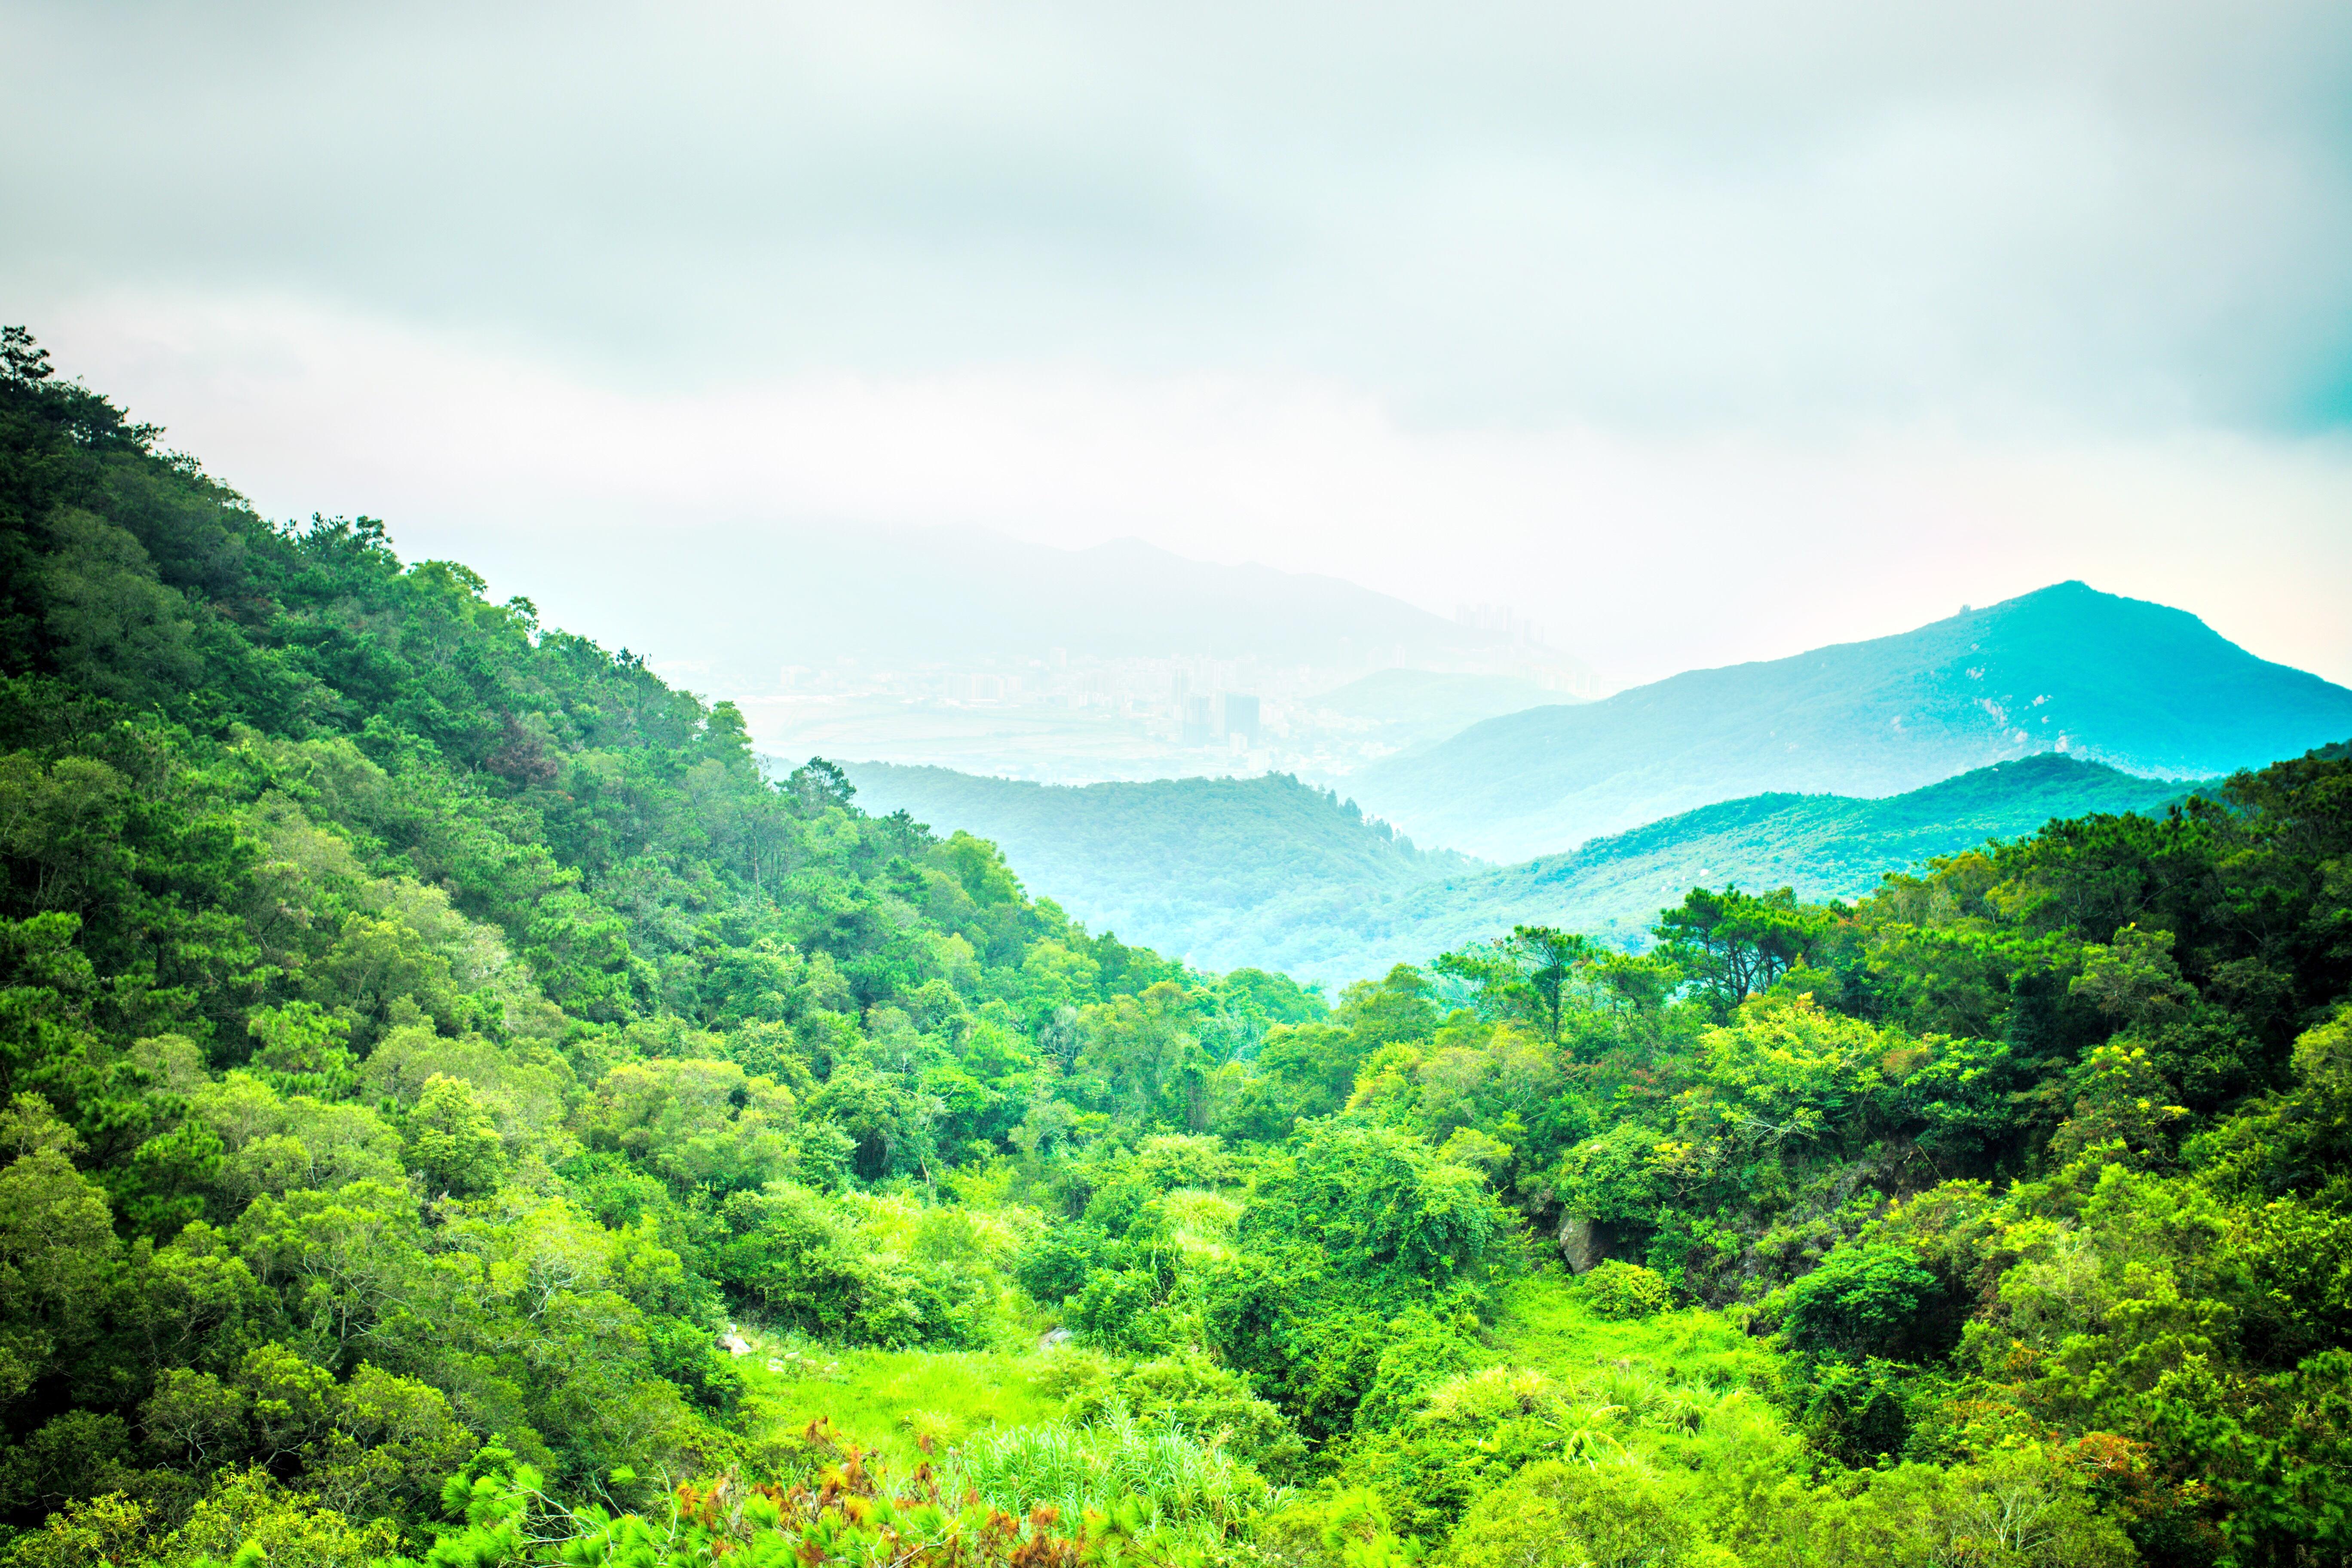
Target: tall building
x,y
1240,716
1200,720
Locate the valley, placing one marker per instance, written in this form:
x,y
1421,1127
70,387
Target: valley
x,y
460,1107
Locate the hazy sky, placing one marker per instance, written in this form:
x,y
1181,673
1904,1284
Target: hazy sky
x,y
1700,333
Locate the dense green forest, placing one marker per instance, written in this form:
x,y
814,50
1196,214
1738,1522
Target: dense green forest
x,y
457,1110
1265,872
1272,873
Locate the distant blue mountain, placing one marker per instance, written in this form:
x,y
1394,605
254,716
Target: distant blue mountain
x,y
1272,873
1823,845
2144,688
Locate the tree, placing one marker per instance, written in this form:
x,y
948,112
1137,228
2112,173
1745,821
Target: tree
x,y
56,1252
1527,973
452,1140
1861,1301
1734,945
1147,1055
817,786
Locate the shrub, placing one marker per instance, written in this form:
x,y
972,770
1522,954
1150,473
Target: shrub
x,y
1861,1301
1375,1208
1556,1514
1424,1349
1211,1402
795,1252
1125,1313
1053,1264
1615,1289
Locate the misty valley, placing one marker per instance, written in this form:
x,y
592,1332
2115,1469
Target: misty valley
x,y
1247,1073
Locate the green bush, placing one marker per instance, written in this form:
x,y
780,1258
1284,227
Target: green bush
x,y
1861,1301
804,1262
1053,1264
1424,1349
1562,1515
1126,1313
1615,1289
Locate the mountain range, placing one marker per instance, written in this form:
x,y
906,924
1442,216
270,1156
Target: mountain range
x,y
1272,873
2142,687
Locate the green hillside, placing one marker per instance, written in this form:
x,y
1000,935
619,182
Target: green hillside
x,y
2140,687
457,1112
1217,868
1824,846
1272,873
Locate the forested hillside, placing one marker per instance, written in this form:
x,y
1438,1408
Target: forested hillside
x,y
453,1109
1216,869
1826,847
2140,687
1274,874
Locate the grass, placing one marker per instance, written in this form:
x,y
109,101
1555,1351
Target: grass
x,y
1173,1481
996,1418
1545,1323
1683,1391
886,1399
1660,1379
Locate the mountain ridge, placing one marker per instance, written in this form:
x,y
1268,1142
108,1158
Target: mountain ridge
x,y
1199,868
2145,687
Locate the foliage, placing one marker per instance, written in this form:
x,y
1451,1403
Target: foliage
x,y
1169,1481
432,1047
1622,1289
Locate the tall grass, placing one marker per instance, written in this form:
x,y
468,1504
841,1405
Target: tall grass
x,y
1180,1484
890,1399
1546,1323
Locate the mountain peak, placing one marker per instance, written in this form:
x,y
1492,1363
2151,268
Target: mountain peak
x,y
2069,668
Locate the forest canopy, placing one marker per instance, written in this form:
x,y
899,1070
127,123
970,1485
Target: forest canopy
x,y
455,1107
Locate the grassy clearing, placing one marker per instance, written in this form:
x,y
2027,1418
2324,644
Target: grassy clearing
x,y
1171,1480
1547,1324
886,1399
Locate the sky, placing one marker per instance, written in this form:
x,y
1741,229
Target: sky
x,y
1698,332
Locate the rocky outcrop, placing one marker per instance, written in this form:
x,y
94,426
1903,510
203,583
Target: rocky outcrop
x,y
1580,1242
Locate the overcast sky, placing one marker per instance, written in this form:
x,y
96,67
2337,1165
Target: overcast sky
x,y
1699,332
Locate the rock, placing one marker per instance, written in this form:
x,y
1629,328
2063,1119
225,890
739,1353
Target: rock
x,y
735,1344
1580,1244
1051,1338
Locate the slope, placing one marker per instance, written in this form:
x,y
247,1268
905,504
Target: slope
x,y
1408,708
1824,846
1270,873
1188,859
2145,687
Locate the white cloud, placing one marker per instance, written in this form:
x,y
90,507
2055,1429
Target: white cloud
x,y
1648,551
1703,330
1720,215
